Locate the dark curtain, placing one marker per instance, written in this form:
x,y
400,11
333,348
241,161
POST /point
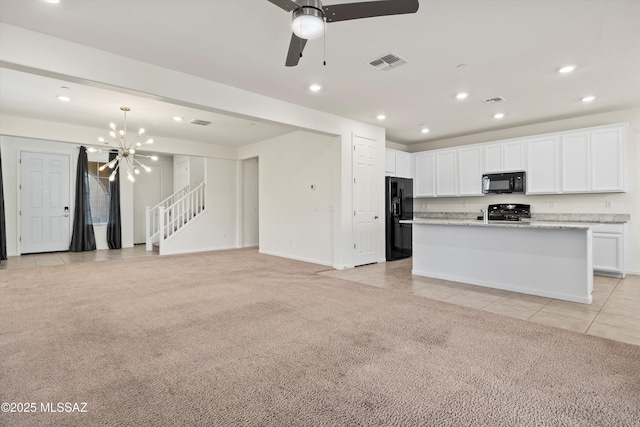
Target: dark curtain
x,y
114,232
82,238
3,230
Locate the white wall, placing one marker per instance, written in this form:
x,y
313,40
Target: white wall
x,y
250,202
627,203
295,220
216,228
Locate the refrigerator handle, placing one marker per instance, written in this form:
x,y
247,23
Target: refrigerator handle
x,y
401,210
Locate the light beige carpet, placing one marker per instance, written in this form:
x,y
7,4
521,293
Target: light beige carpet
x,y
234,338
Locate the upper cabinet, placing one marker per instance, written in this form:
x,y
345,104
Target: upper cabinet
x,y
398,163
470,171
506,156
542,165
425,180
588,160
446,173
608,159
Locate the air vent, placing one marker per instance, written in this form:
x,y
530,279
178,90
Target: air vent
x,y
387,62
493,100
200,122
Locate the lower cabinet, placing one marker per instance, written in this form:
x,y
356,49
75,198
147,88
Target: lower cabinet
x,y
609,248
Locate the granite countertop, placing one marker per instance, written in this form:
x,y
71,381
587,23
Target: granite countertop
x,y
505,224
535,217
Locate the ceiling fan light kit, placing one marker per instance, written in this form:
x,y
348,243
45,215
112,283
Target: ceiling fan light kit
x,y
310,16
308,21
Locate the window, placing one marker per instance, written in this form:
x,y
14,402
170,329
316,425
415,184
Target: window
x,y
99,193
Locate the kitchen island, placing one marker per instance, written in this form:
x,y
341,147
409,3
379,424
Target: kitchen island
x,y
548,259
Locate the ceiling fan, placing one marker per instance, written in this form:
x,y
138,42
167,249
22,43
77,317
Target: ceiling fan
x,y
309,17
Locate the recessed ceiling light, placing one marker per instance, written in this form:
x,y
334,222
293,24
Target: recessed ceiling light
x,y
177,119
462,95
381,117
588,98
53,1
566,69
64,98
424,130
315,87
498,115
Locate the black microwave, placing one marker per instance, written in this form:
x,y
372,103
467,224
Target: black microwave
x,y
508,182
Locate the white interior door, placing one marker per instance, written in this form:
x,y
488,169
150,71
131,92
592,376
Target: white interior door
x,y
44,206
147,191
365,200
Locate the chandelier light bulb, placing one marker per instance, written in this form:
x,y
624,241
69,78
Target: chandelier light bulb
x,y
103,167
130,177
136,170
149,141
132,151
154,158
112,126
112,134
121,132
101,139
141,131
147,168
138,144
112,177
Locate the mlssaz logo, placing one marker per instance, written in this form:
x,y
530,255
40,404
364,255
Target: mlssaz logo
x,y
67,407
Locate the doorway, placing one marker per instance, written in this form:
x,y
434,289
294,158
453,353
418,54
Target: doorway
x,y
250,203
44,202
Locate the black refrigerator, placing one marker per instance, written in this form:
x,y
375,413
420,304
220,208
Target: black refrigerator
x,y
398,206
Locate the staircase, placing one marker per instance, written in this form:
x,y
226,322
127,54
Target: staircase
x,y
173,214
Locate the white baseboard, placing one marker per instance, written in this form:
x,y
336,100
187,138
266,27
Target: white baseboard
x,y
193,251
297,258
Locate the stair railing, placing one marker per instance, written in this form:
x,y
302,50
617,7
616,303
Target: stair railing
x,y
175,217
152,216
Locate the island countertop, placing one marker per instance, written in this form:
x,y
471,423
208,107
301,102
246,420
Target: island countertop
x,y
506,224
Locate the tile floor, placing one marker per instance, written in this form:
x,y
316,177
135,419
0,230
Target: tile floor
x,y
614,313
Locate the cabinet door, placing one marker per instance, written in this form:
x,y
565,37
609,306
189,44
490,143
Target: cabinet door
x,y
607,252
403,165
607,160
513,156
446,173
425,183
492,155
470,171
390,163
543,165
575,163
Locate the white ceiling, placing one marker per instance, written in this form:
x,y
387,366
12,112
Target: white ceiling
x,y
510,48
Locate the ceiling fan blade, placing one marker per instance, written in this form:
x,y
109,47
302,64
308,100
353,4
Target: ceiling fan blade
x,y
295,50
369,9
288,5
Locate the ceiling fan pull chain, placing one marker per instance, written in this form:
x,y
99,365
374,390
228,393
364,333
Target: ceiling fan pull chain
x,y
324,42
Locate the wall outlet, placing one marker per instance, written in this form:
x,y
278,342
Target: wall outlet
x,y
313,186
464,205
608,204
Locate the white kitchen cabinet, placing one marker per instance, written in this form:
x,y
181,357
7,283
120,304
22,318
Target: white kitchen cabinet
x,y
425,179
607,159
470,171
493,158
543,165
514,156
609,250
505,156
446,173
403,165
575,162
390,163
398,163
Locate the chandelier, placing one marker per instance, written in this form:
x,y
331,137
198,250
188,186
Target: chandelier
x,y
126,151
